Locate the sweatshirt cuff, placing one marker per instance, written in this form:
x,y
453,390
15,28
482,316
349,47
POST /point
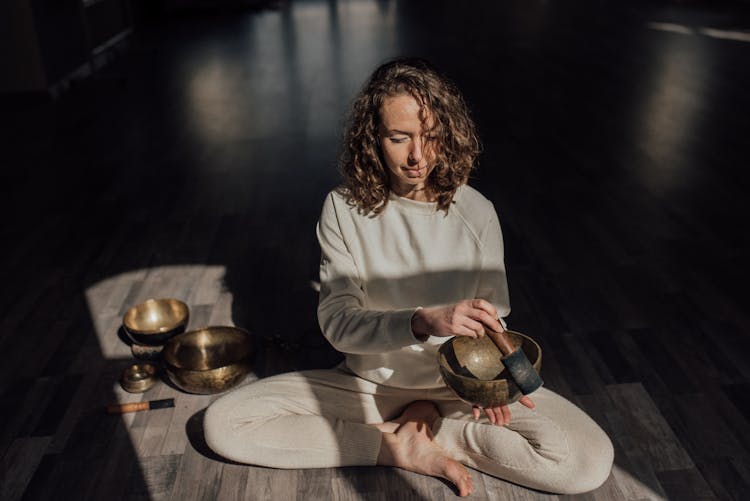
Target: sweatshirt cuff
x,y
399,324
419,337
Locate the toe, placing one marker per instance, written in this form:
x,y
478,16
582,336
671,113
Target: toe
x,y
460,476
465,487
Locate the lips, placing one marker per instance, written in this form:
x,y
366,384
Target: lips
x,y
418,172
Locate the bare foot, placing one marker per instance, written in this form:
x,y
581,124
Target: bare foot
x,y
412,448
419,410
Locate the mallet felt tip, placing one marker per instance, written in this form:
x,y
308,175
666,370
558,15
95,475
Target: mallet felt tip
x,y
515,361
140,406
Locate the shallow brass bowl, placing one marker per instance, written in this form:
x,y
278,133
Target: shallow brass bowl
x,y
156,320
473,370
138,378
208,360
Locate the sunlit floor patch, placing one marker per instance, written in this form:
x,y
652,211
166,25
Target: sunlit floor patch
x,y
672,28
736,35
740,36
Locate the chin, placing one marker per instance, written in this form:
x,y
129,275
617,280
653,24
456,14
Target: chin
x,y
405,180
414,181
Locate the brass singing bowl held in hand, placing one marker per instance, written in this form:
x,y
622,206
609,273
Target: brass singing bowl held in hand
x,y
208,360
154,321
473,370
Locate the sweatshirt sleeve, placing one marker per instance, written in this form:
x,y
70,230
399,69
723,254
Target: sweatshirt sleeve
x,y
493,283
342,314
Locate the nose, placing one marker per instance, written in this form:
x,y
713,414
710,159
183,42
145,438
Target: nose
x,y
415,154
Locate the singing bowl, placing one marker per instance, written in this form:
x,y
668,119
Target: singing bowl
x,y
473,370
156,320
138,378
208,360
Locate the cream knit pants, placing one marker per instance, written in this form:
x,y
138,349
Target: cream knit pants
x,y
317,419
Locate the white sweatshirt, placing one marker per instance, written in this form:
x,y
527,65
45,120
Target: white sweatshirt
x,y
375,271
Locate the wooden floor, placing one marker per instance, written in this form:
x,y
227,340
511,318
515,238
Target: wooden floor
x,y
194,165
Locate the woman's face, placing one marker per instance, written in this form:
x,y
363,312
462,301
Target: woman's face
x,y
407,146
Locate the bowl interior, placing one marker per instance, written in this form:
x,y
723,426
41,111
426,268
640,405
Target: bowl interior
x,y
156,316
208,348
479,359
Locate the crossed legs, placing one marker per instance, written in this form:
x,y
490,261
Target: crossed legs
x,y
329,418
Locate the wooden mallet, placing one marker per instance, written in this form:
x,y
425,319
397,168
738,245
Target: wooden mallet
x,y
139,406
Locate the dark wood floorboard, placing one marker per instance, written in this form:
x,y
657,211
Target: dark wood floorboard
x,y
194,165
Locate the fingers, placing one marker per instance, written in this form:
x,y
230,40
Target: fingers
x,y
501,415
490,411
486,319
526,402
466,318
464,325
496,415
483,311
506,414
463,331
486,306
476,328
445,321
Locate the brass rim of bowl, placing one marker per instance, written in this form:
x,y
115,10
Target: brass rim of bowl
x,y
497,379
211,381
138,378
236,348
178,308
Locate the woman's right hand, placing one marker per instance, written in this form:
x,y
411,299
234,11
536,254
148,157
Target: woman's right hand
x,y
469,317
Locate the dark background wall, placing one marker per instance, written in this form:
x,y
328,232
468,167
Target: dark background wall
x,y
615,150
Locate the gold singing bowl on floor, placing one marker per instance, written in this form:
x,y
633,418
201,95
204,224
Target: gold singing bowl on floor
x,y
138,378
473,370
156,320
208,360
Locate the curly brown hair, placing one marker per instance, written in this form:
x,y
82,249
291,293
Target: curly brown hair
x,y
366,179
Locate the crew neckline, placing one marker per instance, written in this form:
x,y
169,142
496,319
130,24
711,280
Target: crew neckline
x,y
417,205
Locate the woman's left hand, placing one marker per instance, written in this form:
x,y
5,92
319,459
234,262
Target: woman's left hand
x,y
501,415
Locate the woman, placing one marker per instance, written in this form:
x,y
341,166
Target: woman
x,y
410,256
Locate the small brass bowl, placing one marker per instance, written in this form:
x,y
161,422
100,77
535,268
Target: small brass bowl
x,y
138,378
208,360
156,320
473,370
